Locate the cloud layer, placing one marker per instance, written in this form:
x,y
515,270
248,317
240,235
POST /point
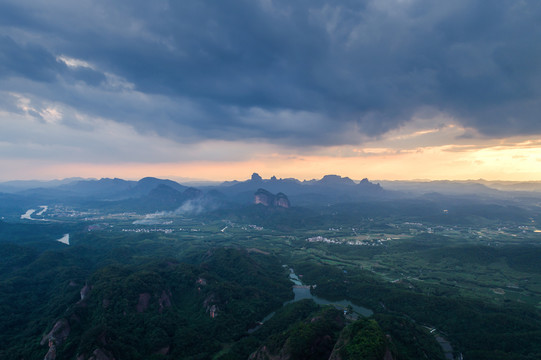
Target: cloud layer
x,y
298,74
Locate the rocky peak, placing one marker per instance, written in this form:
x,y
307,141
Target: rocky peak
x,y
55,337
256,177
85,291
281,200
267,198
264,197
367,185
335,180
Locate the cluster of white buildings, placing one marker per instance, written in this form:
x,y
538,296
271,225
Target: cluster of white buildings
x,y
142,230
374,242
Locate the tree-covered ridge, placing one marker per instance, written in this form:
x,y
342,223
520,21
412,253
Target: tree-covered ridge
x,y
159,308
511,331
152,294
363,339
311,338
304,330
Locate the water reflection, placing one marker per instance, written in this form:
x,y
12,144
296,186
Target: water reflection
x,y
302,292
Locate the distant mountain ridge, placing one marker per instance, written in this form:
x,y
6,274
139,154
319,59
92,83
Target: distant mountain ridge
x,y
105,188
329,189
118,189
152,194
21,185
148,184
332,180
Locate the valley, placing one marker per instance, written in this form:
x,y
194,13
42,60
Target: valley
x,y
381,270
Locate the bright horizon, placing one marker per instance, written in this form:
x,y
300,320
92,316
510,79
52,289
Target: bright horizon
x,y
504,163
380,89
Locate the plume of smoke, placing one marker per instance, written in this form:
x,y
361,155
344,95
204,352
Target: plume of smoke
x,y
152,219
197,206
189,207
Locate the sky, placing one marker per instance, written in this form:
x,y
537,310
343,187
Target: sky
x,y
378,89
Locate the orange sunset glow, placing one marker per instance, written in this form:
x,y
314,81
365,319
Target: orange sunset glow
x,y
386,91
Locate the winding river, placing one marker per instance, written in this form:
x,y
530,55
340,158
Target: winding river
x,y
302,292
28,214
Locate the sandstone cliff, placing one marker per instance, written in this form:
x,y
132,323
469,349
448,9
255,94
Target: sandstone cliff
x,y
267,198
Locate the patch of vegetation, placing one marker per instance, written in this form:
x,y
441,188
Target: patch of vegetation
x,y
363,339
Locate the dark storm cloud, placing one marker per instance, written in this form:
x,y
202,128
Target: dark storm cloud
x,y
30,61
305,72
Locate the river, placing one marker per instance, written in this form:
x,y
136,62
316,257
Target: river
x,y
302,292
28,214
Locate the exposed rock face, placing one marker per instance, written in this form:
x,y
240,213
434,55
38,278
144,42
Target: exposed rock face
x,y
266,198
85,291
58,334
281,200
55,337
164,301
51,354
101,354
210,305
213,311
143,302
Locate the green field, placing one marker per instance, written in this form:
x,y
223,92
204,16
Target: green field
x,y
480,287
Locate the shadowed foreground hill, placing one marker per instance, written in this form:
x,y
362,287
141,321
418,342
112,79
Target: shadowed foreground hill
x,y
160,309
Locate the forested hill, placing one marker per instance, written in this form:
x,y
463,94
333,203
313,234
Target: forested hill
x,y
137,311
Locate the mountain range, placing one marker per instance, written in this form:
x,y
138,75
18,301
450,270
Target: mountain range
x,y
150,195
163,194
